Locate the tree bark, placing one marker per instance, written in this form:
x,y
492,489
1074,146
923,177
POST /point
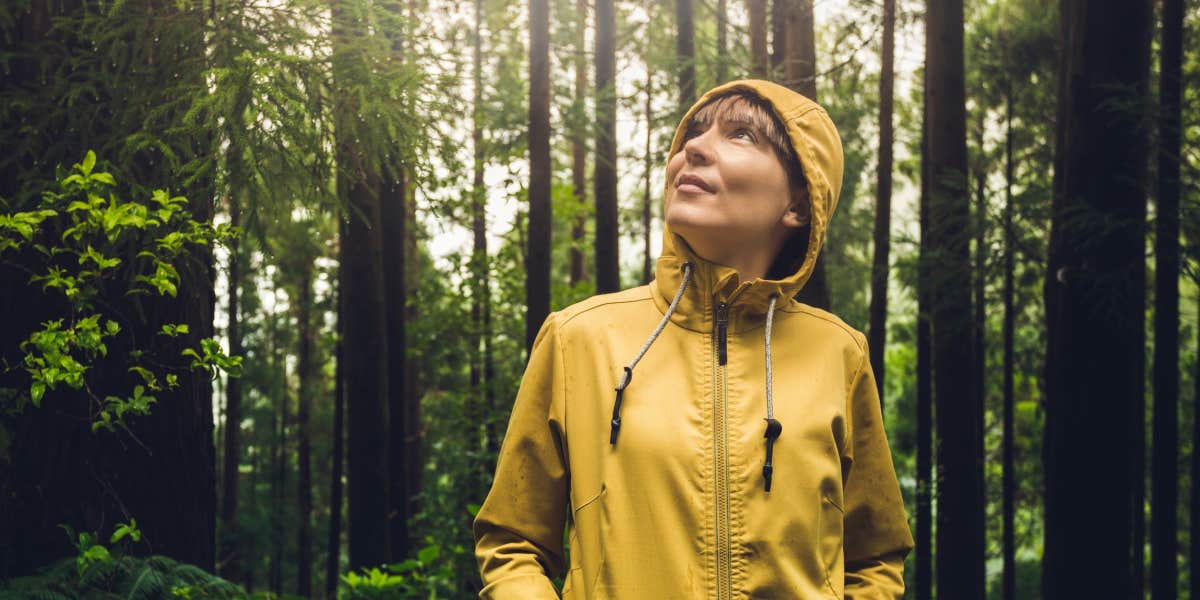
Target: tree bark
x,y
880,269
925,441
1165,494
1095,304
579,145
393,205
1194,524
279,453
334,541
648,263
722,53
605,173
304,373
685,52
960,496
779,37
230,560
760,68
366,332
1008,544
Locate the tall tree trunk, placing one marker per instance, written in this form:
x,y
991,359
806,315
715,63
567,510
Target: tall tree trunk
x,y
392,213
1095,303
979,283
883,203
1165,495
722,53
304,373
800,74
537,260
1008,544
648,264
230,560
608,277
366,333
925,441
685,54
1194,523
477,409
960,497
333,552
579,145
779,36
413,439
278,370
760,68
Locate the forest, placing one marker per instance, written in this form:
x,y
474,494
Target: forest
x,y
270,273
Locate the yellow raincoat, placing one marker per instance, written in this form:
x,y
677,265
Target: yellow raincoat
x,y
667,496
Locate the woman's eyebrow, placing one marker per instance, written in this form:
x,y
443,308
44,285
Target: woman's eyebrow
x,y
743,119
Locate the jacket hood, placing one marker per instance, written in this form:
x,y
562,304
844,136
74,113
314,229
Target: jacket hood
x,y
816,142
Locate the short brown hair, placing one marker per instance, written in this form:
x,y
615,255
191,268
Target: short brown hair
x,y
740,106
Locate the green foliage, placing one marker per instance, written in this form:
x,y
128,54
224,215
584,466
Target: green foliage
x,y
99,571
81,242
424,576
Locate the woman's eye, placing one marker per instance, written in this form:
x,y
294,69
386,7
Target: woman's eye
x,y
749,136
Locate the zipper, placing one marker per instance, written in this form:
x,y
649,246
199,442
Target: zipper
x,y
722,332
721,454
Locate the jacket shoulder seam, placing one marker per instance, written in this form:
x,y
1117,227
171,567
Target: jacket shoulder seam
x,y
854,334
589,305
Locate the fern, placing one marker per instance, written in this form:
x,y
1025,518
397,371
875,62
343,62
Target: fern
x,y
125,578
148,584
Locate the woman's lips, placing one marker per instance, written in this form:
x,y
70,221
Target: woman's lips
x,y
690,183
691,188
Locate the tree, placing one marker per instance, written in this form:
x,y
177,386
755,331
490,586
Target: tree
x,y
604,184
579,144
759,67
877,340
393,215
537,258
365,343
685,51
960,497
1164,570
1094,294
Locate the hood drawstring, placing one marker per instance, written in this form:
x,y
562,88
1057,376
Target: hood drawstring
x,y
628,376
774,428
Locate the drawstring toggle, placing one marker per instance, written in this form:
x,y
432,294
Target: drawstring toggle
x,y
774,428
616,416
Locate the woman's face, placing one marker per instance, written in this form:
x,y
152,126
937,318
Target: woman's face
x,y
742,201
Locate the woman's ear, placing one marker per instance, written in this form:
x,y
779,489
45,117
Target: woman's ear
x,y
799,212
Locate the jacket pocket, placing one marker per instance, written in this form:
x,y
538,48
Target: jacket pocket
x,y
587,549
830,528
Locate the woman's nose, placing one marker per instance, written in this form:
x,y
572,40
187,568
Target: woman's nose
x,y
697,150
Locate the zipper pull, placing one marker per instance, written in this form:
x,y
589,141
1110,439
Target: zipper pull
x,y
722,328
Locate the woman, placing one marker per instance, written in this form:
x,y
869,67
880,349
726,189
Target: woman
x,y
747,457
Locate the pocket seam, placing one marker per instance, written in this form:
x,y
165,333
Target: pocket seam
x,y
589,501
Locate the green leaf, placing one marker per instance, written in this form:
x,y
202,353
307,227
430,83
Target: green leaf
x,y
89,161
36,391
104,178
428,554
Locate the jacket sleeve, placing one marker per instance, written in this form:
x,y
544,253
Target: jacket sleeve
x,y
519,528
876,531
